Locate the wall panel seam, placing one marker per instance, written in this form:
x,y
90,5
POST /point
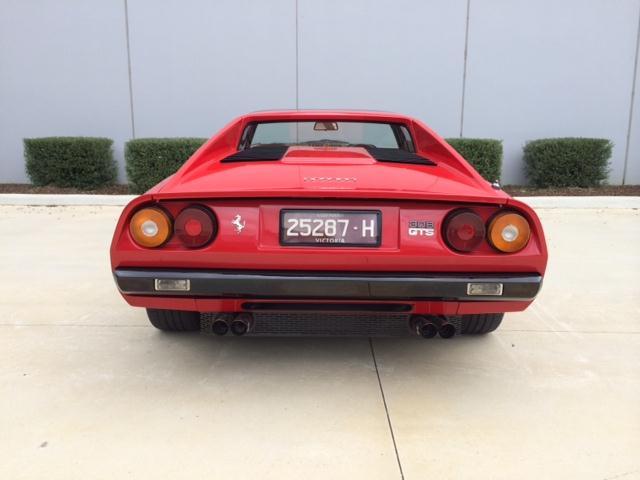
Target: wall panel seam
x,y
464,67
297,60
126,24
633,95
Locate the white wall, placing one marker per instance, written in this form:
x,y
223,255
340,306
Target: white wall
x,y
533,69
63,71
551,69
405,56
198,64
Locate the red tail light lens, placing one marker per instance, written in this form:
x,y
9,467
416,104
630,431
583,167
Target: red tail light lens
x,y
464,230
195,226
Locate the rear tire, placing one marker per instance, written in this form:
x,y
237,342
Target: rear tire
x,y
481,323
174,320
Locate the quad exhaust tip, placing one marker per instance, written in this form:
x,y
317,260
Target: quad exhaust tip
x,y
241,324
220,327
430,326
238,325
447,330
425,326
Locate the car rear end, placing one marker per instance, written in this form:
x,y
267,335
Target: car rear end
x,y
340,263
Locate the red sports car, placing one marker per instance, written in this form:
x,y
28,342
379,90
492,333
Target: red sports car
x,y
328,223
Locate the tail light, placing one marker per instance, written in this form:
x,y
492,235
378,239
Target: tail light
x,y
509,232
464,230
150,227
196,226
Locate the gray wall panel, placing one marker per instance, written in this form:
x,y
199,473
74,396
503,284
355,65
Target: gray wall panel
x,y
197,64
535,69
633,161
403,56
63,71
550,69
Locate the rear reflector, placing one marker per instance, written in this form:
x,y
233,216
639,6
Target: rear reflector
x,y
172,285
150,227
509,232
484,289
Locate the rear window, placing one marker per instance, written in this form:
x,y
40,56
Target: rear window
x,y
328,133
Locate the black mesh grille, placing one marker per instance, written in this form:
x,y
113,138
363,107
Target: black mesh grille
x,y
324,324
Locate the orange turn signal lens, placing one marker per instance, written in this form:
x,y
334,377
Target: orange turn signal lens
x,y
150,227
509,232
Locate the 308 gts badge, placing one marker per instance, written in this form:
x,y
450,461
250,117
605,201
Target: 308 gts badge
x,y
420,228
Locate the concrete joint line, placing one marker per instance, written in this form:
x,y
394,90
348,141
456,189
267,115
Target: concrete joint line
x,y
386,409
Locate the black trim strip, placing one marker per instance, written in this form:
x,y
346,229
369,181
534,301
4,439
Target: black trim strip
x,y
395,155
260,153
303,285
276,152
326,307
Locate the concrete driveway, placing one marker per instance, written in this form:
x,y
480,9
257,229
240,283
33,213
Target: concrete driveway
x,y
88,390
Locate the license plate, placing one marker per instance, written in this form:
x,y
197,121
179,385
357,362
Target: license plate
x,y
330,228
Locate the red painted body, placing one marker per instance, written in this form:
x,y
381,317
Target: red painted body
x,y
259,190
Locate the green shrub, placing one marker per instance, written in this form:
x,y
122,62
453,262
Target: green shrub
x,y
567,162
484,154
151,160
79,162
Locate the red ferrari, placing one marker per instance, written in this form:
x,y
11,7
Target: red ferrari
x,y
328,223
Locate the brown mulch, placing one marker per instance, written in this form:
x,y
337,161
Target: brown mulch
x,y
50,189
514,190
603,191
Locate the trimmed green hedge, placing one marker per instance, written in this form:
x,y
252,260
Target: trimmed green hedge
x,y
79,162
567,162
151,160
484,154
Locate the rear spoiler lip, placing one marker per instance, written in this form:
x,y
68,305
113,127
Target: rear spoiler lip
x,y
358,195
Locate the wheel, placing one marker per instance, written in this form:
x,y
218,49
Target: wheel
x,y
481,323
174,320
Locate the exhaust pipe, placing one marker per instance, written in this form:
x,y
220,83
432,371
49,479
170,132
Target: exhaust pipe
x,y
425,327
220,326
241,324
447,330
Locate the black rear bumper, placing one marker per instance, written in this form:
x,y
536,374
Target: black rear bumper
x,y
318,285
